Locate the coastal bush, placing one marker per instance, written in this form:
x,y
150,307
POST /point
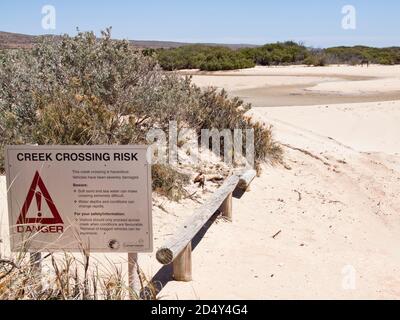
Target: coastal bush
x,y
385,60
217,111
356,54
316,58
278,53
209,58
84,90
206,58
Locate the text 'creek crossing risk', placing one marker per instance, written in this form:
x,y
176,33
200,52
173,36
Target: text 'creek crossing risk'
x,y
63,198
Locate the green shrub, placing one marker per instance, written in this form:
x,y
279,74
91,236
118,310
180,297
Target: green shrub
x,y
209,58
316,60
217,111
277,53
282,53
355,55
201,57
386,60
85,91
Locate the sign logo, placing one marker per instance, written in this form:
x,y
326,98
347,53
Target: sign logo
x,y
114,244
39,192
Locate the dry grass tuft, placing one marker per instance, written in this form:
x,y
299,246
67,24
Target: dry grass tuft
x,y
65,277
169,182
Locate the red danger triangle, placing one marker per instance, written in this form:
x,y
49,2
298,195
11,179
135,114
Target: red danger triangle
x,y
39,184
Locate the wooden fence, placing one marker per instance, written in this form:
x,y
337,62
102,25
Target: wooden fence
x,y
178,250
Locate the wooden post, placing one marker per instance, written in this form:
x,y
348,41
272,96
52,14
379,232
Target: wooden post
x,y
169,252
36,263
36,267
182,265
133,274
178,249
245,180
226,208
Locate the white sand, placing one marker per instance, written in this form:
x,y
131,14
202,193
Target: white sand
x,y
366,127
301,85
346,219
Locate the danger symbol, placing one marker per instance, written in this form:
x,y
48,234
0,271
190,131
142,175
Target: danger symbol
x,y
39,191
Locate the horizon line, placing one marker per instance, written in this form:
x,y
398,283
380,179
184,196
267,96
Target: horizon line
x,y
191,42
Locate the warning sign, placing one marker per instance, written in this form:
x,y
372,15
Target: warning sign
x,y
37,191
64,198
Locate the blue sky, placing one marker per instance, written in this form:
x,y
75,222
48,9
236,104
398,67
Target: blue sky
x,y
314,22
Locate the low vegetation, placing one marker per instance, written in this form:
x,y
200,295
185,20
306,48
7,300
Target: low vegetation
x,y
86,91
68,277
221,113
355,55
203,58
278,54
208,58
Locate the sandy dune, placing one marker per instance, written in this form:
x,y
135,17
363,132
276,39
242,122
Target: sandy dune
x,y
335,204
336,209
366,127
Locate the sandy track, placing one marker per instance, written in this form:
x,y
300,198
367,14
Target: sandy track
x,y
336,209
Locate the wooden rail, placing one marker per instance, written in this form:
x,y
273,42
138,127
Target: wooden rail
x,y
178,250
246,178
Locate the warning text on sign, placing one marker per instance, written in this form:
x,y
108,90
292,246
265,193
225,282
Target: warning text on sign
x,y
63,198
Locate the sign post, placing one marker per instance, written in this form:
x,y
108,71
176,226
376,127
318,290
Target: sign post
x,y
133,273
65,198
36,265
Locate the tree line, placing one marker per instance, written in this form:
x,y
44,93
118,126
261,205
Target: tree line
x,y
214,58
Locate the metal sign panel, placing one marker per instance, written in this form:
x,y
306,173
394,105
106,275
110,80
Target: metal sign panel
x,y
66,198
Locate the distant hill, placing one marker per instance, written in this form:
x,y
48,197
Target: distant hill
x,y
150,44
10,40
15,40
